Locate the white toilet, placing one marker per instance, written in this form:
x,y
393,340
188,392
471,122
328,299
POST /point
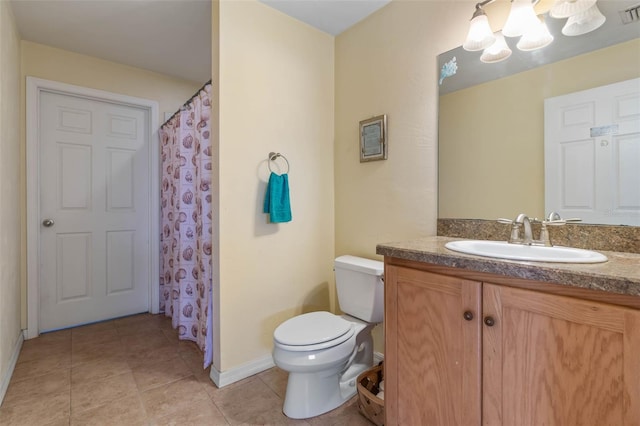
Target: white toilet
x,y
323,352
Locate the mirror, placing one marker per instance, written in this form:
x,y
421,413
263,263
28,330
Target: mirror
x,y
491,116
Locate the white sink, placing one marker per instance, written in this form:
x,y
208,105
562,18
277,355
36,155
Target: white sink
x,y
504,250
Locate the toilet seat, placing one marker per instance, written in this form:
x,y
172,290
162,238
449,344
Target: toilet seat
x,y
313,331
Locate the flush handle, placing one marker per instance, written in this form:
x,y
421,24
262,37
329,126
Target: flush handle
x,y
468,315
48,223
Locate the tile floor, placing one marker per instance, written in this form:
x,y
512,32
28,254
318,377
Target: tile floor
x,y
134,371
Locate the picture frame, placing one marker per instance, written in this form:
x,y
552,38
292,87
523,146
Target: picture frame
x,y
373,139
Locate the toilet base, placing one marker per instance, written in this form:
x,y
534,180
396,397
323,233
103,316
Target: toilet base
x,y
312,394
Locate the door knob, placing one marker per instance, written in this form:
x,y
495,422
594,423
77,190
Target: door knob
x,y
489,321
48,223
468,315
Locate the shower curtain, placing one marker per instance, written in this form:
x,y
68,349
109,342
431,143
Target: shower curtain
x,y
186,240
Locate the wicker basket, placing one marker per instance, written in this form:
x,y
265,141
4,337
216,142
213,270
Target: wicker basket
x,y
369,404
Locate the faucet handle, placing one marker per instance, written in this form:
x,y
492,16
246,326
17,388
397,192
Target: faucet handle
x,y
554,218
573,219
503,220
557,222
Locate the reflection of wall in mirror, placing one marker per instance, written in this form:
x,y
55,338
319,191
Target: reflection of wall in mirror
x,y
490,136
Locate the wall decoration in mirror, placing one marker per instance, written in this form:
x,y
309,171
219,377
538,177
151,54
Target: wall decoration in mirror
x,y
491,159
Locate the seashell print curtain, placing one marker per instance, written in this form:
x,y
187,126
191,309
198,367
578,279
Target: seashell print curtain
x,y
186,241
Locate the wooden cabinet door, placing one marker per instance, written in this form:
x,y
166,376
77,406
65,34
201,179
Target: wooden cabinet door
x,y
553,360
432,359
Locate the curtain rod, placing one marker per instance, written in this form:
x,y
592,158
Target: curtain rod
x,y
186,103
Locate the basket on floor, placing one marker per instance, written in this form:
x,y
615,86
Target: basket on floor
x,y
369,404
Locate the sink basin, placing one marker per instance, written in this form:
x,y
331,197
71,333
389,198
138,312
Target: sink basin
x,y
504,250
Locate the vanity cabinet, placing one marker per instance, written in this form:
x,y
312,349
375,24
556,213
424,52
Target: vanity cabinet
x,y
465,351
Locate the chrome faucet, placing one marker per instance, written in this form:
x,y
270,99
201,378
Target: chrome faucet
x,y
523,221
527,238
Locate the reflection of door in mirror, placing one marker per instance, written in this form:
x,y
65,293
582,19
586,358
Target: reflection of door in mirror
x,y
592,154
491,136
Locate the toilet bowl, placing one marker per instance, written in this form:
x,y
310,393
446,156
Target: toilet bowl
x,y
324,352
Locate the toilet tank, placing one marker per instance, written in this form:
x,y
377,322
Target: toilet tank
x,y
360,286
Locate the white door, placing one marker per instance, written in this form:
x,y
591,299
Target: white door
x,y
94,210
592,154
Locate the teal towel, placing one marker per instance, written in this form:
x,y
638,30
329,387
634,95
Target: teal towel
x,y
276,200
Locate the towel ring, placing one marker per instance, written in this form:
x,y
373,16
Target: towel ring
x,y
273,156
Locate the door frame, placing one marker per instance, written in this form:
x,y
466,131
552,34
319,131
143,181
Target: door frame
x,y
35,86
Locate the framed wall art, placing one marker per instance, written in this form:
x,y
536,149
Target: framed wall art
x,y
373,139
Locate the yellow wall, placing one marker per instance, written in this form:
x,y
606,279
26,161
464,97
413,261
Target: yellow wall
x,y
10,218
276,94
72,68
492,134
387,65
215,208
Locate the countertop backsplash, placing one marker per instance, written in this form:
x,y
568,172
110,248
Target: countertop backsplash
x,y
619,238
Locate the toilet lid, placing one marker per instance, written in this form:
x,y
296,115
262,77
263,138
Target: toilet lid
x,y
311,328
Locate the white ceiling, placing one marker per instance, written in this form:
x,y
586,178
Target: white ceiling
x,y
172,37
330,16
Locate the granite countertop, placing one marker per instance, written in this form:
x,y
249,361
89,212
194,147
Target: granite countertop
x,y
620,274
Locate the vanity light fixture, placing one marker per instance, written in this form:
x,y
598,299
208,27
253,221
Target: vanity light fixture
x,y
498,51
584,22
522,21
537,38
522,18
480,34
566,8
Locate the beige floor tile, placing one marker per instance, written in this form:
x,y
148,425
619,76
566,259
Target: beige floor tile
x,y
345,415
175,397
195,362
164,323
140,328
54,336
170,334
82,341
87,395
99,369
127,411
142,357
35,349
93,375
90,329
37,388
97,352
202,413
130,320
53,409
150,339
276,379
251,402
40,366
160,373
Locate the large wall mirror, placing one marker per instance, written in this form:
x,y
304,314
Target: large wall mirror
x,y
491,116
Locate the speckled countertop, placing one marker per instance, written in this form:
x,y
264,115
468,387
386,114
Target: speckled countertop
x,y
620,274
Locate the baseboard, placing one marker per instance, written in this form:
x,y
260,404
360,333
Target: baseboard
x,y
240,372
4,384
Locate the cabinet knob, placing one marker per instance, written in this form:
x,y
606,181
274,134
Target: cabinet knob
x,y
489,321
468,315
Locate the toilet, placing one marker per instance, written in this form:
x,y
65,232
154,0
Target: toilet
x,y
324,352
